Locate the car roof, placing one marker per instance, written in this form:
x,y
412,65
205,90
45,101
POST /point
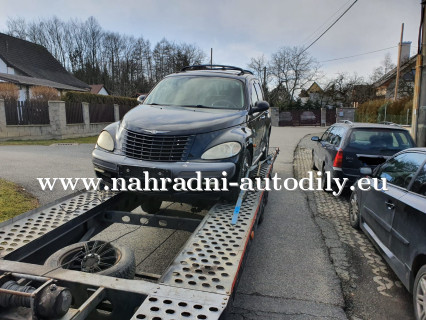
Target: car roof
x,y
366,125
215,70
422,150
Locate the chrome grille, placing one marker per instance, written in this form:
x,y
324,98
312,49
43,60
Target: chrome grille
x,y
153,147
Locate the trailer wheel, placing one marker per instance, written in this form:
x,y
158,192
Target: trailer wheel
x,y
151,205
95,257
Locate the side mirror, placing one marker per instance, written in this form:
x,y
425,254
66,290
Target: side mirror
x,y
315,138
260,106
141,98
366,171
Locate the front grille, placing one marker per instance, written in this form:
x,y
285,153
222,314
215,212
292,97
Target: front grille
x,y
153,147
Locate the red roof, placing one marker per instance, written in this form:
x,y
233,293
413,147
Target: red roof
x,y
95,88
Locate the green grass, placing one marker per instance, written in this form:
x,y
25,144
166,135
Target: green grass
x,y
91,140
14,200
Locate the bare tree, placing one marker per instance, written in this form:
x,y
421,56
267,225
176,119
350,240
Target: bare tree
x,y
258,65
293,68
386,66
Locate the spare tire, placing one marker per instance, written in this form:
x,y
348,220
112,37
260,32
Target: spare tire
x,y
94,256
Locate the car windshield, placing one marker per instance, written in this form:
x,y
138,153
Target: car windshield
x,y
191,91
379,139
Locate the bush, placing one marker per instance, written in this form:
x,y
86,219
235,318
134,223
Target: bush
x,y
73,96
9,91
40,93
374,111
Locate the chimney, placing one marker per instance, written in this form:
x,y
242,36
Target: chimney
x,y
405,51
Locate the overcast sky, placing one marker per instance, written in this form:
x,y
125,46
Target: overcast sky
x,y
240,29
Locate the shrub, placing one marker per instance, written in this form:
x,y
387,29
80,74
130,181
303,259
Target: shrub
x,y
9,91
374,111
41,93
73,96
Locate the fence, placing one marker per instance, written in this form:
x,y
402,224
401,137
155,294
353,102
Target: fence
x,y
74,112
26,112
101,113
123,110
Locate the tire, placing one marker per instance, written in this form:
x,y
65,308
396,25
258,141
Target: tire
x,y
245,164
266,152
323,181
313,166
121,259
354,211
419,290
151,205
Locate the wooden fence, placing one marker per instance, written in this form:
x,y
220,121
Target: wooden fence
x,y
26,112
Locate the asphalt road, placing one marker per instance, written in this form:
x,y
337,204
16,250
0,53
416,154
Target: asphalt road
x,y
288,274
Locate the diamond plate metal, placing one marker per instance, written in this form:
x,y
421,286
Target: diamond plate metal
x,y
156,307
27,227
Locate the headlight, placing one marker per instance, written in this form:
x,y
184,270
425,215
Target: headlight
x,y
222,151
105,141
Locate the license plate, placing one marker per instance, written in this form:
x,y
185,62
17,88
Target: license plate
x,y
139,172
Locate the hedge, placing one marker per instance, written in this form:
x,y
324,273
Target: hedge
x,y
396,111
73,96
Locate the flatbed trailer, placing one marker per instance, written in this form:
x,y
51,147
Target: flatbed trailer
x,y
200,283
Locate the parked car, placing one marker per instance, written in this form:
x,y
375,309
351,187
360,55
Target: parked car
x,y
286,119
308,117
205,118
346,147
395,220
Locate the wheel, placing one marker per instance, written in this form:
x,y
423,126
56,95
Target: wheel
x,y
266,151
151,205
419,294
95,257
245,165
313,166
323,178
354,210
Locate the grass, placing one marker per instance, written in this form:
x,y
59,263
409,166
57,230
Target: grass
x,y
14,200
91,140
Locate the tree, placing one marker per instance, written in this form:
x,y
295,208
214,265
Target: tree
x,y
259,65
293,68
386,66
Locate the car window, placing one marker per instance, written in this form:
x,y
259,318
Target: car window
x,y
401,169
254,97
212,92
379,139
325,135
419,184
259,91
337,136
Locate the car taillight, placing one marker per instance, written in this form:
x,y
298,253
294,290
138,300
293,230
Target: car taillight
x,y
338,159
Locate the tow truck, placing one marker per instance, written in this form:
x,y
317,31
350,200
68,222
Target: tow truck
x,y
199,283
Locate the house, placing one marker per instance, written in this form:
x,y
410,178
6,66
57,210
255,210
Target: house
x,y
27,64
313,94
385,86
99,89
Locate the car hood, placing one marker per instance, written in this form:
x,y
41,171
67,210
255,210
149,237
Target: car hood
x,y
180,120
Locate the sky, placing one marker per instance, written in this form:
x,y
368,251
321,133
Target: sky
x,y
238,30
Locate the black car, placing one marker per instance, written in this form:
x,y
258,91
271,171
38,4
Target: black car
x,y
347,146
207,118
395,220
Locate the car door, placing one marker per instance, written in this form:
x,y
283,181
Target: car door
x,y
329,147
256,123
408,236
379,206
319,152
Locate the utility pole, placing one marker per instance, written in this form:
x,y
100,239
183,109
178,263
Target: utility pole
x,y
211,56
419,112
398,66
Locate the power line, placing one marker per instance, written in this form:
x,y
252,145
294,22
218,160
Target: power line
x,y
360,54
325,22
344,12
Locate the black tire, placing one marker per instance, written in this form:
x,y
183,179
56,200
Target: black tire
x,y
313,166
245,165
121,259
419,291
354,210
266,151
323,180
151,205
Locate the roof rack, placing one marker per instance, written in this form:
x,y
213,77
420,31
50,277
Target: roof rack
x,y
215,67
390,123
347,121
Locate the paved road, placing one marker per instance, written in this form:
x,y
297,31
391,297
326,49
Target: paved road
x,y
288,274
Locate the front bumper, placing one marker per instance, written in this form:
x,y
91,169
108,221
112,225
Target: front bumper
x,y
110,165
